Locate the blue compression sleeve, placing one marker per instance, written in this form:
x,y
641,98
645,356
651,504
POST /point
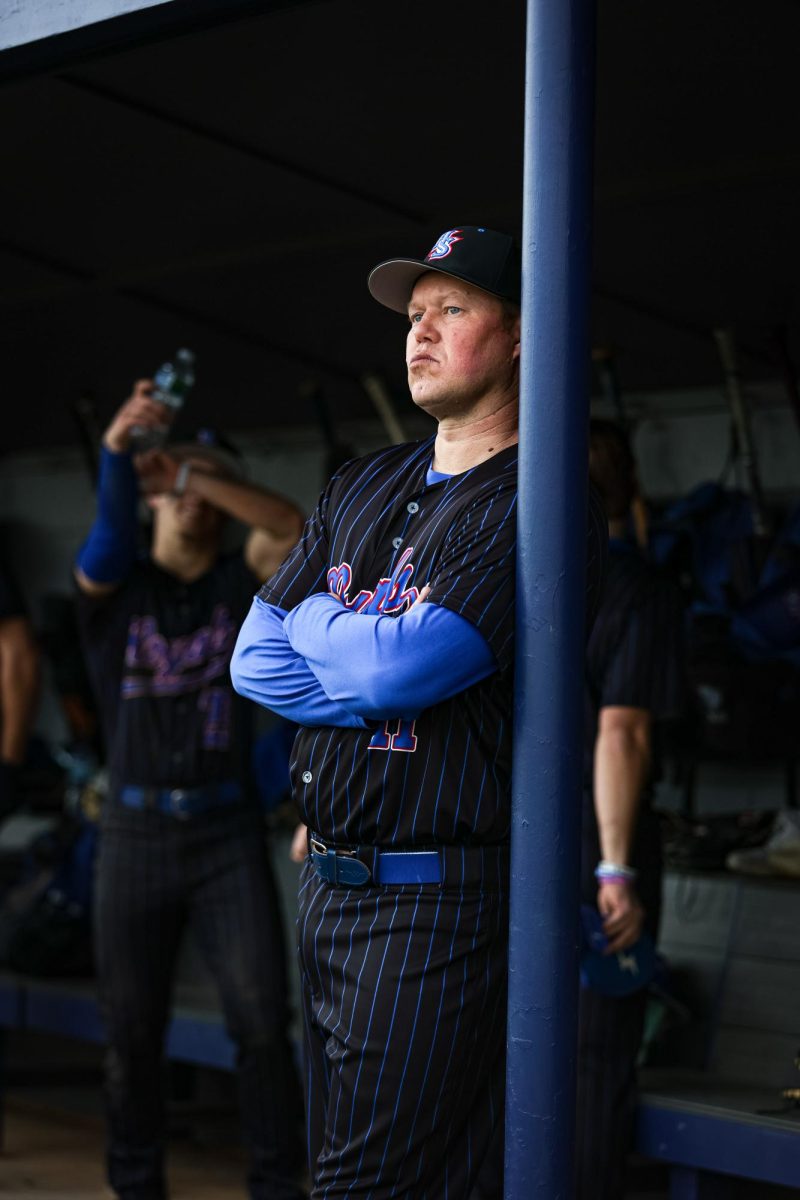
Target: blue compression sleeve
x,y
381,666
110,549
265,668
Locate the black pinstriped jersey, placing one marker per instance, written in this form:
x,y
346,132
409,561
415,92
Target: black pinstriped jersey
x,y
634,658
158,651
379,534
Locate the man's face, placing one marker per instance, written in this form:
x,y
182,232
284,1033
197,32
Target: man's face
x,y
461,348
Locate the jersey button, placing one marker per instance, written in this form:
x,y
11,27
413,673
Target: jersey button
x,y
397,543
413,507
307,777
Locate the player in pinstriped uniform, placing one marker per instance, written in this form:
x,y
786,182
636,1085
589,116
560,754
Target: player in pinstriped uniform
x,y
633,680
182,840
388,634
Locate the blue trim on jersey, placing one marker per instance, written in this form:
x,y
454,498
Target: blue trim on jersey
x,y
265,668
109,551
382,666
436,477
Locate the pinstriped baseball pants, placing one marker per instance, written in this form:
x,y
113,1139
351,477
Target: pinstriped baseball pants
x,y
404,993
610,1034
155,875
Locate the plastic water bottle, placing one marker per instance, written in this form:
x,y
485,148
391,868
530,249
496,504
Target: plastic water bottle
x,y
172,383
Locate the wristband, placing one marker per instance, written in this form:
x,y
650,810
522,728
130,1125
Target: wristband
x,y
611,872
182,478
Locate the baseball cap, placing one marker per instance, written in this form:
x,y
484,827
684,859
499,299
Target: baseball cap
x,y
483,257
212,447
613,974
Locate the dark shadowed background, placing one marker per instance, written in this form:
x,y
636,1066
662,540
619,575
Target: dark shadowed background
x,y
228,188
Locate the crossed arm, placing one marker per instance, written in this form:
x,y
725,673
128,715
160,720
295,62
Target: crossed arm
x,y
325,664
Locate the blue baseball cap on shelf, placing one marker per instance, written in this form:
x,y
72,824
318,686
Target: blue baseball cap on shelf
x,y
617,974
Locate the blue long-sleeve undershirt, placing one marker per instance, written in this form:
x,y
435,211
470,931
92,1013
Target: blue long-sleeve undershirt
x,y
382,666
109,551
265,668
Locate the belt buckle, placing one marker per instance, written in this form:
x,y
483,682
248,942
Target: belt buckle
x,y
318,847
329,856
179,803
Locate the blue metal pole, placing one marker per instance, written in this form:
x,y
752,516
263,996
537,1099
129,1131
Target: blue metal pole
x,y
551,566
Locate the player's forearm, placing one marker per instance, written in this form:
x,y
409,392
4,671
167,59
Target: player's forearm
x,y
254,506
266,669
110,549
621,770
381,666
19,688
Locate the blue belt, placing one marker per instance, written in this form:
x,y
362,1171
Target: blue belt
x,y
183,803
347,868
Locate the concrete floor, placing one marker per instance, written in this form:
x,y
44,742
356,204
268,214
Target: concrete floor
x,y
54,1132
50,1154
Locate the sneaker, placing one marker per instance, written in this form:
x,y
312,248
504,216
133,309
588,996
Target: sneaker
x,y
780,854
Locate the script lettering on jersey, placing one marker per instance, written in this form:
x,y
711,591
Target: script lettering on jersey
x,y
156,665
392,595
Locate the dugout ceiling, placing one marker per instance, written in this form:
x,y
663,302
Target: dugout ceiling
x,y
228,187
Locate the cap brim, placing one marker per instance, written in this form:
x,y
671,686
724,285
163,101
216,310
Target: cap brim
x,y
392,282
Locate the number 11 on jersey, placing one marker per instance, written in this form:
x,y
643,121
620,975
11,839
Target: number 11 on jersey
x,y
403,738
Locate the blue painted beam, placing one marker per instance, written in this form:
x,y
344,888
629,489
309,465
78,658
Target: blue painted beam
x,y
551,561
21,24
43,35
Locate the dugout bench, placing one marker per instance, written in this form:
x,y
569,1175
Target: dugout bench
x,y
737,940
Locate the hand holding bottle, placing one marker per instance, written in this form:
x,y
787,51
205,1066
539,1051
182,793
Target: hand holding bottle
x,y
170,386
139,412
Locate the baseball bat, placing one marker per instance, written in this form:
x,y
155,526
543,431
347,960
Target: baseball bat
x,y
740,414
375,387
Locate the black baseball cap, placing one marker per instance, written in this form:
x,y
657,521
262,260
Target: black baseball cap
x,y
483,257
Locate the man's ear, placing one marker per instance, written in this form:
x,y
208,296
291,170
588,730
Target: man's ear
x,y
516,333
155,501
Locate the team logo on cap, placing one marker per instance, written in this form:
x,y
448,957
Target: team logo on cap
x,y
444,245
